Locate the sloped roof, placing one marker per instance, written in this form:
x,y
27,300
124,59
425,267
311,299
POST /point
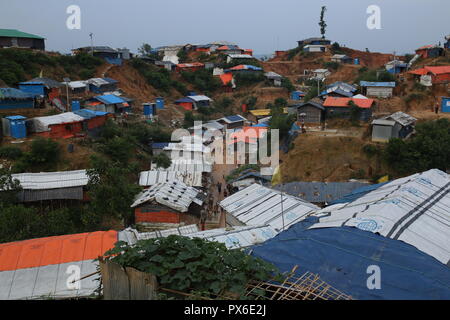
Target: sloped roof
x,y
310,103
110,99
402,118
12,93
344,102
341,256
319,191
49,83
233,118
377,84
173,194
432,69
413,209
52,180
258,205
152,177
13,33
42,123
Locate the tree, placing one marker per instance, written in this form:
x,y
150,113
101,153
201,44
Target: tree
x,y
322,23
111,189
9,188
428,149
145,49
162,161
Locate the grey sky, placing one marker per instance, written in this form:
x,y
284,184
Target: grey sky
x,y
262,25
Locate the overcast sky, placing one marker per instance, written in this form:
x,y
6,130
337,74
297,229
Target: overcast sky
x,y
262,25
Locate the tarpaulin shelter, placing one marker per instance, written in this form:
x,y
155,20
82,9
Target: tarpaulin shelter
x,y
11,98
42,268
63,125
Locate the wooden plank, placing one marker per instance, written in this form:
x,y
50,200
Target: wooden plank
x,y
143,286
115,282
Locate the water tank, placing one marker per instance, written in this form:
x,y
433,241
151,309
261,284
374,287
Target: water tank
x,y
18,129
159,103
75,105
445,104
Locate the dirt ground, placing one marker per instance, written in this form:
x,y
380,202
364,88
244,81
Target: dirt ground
x,y
327,157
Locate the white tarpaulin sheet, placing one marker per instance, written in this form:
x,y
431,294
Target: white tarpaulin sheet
x,y
415,209
42,124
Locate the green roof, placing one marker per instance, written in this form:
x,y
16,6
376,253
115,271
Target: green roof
x,y
12,33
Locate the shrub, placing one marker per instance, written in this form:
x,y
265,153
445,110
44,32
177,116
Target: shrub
x,y
10,152
193,265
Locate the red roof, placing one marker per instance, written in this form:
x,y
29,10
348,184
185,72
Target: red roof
x,y
433,70
55,250
426,47
343,102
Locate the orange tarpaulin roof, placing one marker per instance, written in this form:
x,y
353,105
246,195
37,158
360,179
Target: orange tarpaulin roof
x,y
434,70
226,78
247,134
343,102
55,250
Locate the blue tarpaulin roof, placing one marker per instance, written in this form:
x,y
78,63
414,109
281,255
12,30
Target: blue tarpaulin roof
x,y
12,93
110,99
184,100
234,118
341,257
159,145
377,84
89,114
15,118
110,80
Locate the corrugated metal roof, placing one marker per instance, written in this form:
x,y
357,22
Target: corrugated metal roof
x,y
130,235
413,209
39,268
13,33
186,165
52,180
198,98
317,192
377,84
402,118
258,205
150,178
237,237
174,194
233,237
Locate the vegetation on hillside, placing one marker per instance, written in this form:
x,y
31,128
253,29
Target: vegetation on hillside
x,y
18,65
